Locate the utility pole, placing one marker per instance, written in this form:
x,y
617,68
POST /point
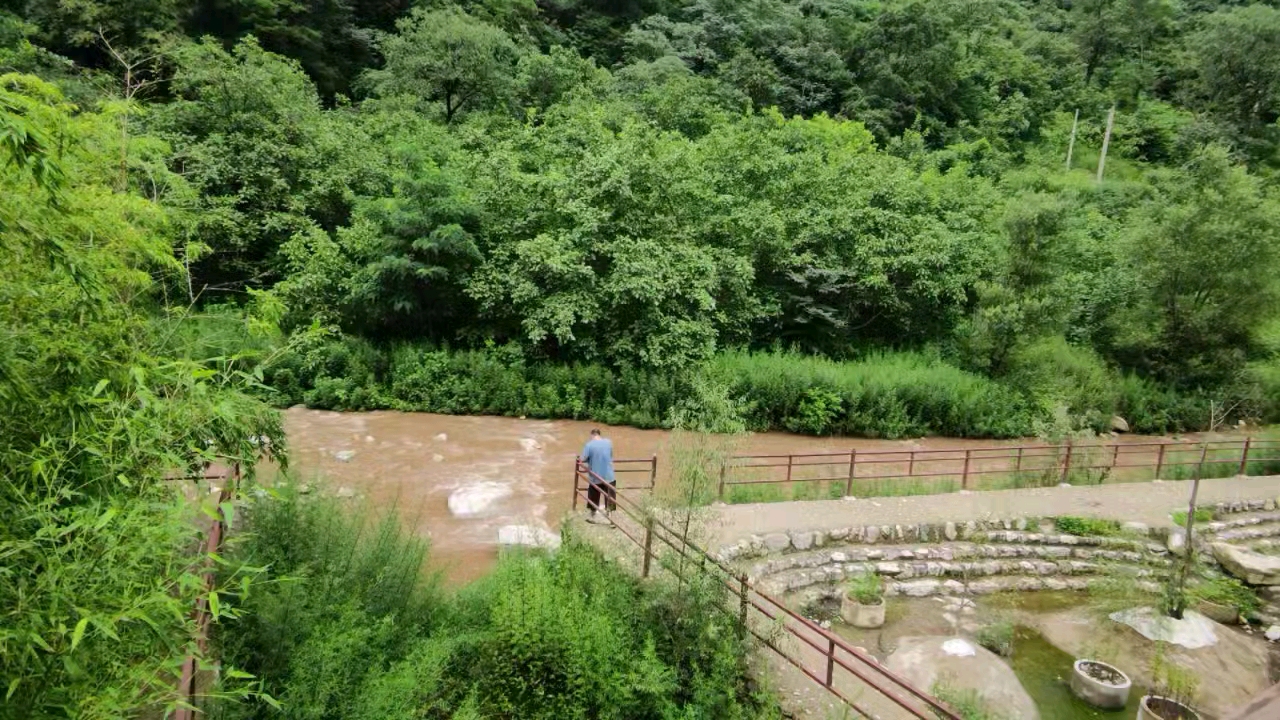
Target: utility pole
x,y
1071,145
1106,141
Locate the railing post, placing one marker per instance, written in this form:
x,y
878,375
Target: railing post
x,y
1204,450
577,460
853,469
1244,457
724,470
1160,461
790,458
1115,455
964,482
911,464
831,660
1066,464
742,599
1018,468
648,547
653,472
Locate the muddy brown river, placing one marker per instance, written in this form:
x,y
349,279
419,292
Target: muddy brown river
x,y
458,479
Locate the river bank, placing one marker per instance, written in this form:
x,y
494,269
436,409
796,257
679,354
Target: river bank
x,y
500,470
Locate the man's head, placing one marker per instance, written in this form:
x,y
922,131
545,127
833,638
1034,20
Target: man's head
x,y
595,433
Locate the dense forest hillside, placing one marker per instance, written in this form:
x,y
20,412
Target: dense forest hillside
x,y
882,218
828,216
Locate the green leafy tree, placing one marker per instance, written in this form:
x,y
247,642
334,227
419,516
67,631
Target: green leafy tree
x,y
1235,61
399,268
448,60
250,137
1206,255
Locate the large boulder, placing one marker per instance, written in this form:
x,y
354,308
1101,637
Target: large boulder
x,y
1119,424
1251,567
963,665
1193,631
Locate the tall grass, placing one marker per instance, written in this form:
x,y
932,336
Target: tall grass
x,y
890,395
884,395
887,394
344,626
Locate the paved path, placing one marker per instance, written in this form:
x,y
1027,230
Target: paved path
x,y
1149,502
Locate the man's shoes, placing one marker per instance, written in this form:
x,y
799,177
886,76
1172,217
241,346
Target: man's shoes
x,y
608,519
594,518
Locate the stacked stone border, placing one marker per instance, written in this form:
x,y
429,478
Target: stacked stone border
x,y
975,557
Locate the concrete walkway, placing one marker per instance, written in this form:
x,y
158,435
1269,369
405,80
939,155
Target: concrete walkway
x,y
1148,502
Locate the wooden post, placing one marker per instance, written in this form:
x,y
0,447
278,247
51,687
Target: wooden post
x,y
724,469
964,482
911,464
831,660
1115,455
1019,467
1160,461
742,600
1244,457
577,462
1071,144
790,458
1106,142
653,472
1066,464
853,468
1204,450
648,547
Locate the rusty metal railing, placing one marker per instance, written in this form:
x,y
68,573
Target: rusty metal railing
x,y
629,466
229,479
977,468
758,613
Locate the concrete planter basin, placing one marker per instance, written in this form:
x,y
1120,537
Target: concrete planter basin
x,y
1154,707
1099,684
862,616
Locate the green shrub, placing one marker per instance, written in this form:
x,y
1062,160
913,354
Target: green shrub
x,y
1203,515
1086,526
997,637
966,703
346,626
1227,591
1058,374
867,588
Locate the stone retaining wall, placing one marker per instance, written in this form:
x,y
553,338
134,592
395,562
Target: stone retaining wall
x,y
983,556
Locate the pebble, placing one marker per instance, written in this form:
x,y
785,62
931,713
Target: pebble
x,y
345,455
1273,633
442,437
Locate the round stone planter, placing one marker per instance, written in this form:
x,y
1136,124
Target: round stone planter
x,y
1225,614
862,616
1153,707
1100,684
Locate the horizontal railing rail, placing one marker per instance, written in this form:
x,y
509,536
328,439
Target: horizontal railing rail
x,y
1051,462
758,613
627,466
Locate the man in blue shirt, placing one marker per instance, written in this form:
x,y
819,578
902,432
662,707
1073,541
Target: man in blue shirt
x,y
597,455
